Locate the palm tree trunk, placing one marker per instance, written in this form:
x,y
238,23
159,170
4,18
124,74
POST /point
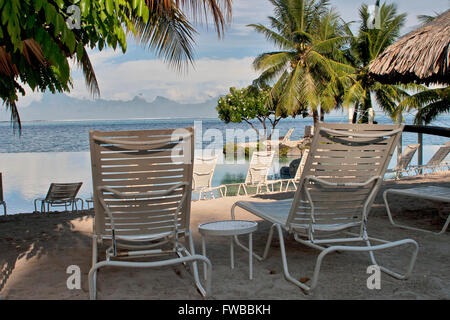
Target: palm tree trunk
x,y
315,117
364,114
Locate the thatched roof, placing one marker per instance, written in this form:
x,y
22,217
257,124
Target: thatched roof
x,y
422,56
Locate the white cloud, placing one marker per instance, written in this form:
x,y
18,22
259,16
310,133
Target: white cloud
x,y
209,78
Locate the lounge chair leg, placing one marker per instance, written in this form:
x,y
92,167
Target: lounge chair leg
x,y
391,219
269,240
208,269
93,276
287,186
286,273
396,244
189,258
205,274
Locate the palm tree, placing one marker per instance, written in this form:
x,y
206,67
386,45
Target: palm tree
x,y
309,68
365,47
429,103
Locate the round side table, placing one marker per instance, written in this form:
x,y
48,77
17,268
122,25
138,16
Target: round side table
x,y
230,228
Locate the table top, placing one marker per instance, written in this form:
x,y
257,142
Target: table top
x,y
228,227
429,192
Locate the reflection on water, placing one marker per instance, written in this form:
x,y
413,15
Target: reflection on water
x,y
27,176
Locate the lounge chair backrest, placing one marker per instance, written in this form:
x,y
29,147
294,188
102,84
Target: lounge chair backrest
x,y
342,153
259,168
203,172
142,180
407,156
301,165
288,135
62,192
440,155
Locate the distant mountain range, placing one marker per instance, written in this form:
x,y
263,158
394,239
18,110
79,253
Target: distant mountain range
x,y
63,107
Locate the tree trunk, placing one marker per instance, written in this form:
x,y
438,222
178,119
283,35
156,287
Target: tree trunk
x,y
315,117
355,114
322,115
364,114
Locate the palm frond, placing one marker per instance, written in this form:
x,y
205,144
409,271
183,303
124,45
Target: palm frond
x,y
272,36
169,35
429,113
84,63
220,10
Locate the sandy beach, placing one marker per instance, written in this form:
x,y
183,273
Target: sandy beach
x,y
36,249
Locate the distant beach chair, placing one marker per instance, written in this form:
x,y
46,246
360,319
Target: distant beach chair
x,y
285,140
202,177
341,178
402,166
436,163
142,183
287,137
258,172
298,173
60,195
2,200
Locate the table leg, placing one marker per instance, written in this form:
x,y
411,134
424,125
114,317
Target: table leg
x,y
232,252
204,254
250,255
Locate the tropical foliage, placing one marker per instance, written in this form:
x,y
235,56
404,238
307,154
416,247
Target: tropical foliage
x,y
309,70
371,41
322,65
428,103
36,43
248,104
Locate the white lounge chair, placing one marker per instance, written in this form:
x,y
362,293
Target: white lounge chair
x,y
402,166
298,173
258,171
142,183
287,137
2,200
60,195
436,163
338,185
202,177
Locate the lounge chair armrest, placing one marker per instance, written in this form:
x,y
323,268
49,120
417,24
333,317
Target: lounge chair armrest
x,y
203,173
259,169
372,194
125,195
340,184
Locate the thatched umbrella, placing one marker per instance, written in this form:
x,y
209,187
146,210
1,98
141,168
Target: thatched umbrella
x,y
421,56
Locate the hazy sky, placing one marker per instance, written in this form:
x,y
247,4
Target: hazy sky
x,y
219,65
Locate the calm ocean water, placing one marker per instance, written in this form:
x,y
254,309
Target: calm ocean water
x,y
59,152
72,136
